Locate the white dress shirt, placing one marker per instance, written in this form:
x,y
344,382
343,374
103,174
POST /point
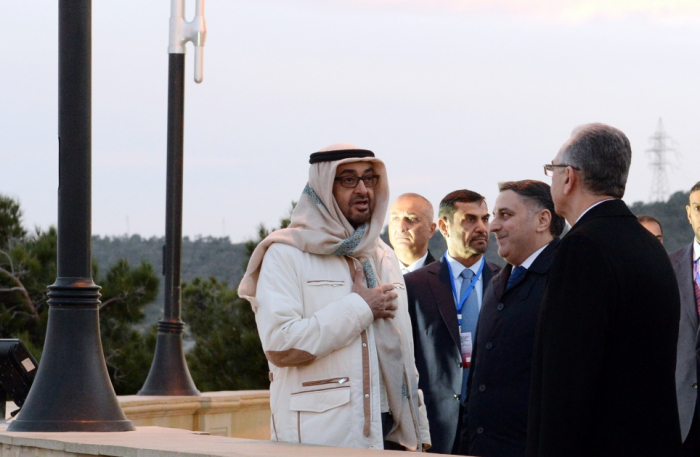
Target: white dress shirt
x,y
457,269
530,260
414,266
593,206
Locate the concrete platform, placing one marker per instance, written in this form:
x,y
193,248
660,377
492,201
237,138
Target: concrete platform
x,y
159,442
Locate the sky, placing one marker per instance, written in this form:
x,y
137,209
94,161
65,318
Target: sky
x,y
450,94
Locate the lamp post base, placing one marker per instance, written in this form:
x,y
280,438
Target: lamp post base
x,y
72,391
169,374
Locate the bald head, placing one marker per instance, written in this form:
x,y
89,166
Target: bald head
x,y
410,227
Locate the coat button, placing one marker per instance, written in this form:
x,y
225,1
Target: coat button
x,y
482,388
456,396
500,307
489,345
695,385
480,430
366,395
459,364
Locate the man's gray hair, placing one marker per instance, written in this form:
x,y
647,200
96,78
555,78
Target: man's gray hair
x,y
603,156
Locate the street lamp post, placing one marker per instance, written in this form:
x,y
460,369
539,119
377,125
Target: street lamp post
x,y
169,374
72,390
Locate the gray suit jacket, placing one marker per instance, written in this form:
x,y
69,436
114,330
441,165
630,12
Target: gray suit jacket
x,y
688,339
437,348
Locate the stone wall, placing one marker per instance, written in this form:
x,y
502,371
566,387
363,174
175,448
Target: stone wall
x,y
240,414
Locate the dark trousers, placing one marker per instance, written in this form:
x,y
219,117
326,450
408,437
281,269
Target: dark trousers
x,y
691,445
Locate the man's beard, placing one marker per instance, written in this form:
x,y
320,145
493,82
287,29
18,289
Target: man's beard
x,y
358,219
479,248
355,218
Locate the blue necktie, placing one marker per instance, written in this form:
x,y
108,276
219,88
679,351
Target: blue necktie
x,y
470,317
515,274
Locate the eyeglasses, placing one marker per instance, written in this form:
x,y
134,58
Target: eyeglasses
x,y
549,168
352,181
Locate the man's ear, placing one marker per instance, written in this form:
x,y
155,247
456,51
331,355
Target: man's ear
x,y
570,181
433,226
442,226
687,210
544,219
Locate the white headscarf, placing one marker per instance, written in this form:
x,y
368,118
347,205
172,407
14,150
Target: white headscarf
x,y
318,225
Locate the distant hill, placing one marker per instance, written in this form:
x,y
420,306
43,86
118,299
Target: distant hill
x,y
201,257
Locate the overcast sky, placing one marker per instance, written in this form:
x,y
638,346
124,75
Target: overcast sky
x,y
449,93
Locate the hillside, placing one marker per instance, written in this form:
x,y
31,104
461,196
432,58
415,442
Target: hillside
x,y
201,257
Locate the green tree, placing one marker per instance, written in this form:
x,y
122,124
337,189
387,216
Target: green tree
x,y
10,221
28,266
227,354
128,352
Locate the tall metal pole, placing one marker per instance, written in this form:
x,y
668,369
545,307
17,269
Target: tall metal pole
x,y
72,390
169,374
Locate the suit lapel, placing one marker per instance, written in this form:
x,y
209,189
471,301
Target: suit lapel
x,y
500,281
685,284
441,288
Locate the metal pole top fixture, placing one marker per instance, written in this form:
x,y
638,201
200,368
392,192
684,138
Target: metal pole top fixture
x,y
182,31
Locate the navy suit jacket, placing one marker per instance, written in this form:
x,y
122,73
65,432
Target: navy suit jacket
x,y
499,377
688,339
437,347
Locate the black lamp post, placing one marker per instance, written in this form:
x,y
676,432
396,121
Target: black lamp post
x,y
169,374
72,390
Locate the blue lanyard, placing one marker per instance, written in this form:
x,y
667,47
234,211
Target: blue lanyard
x,y
458,302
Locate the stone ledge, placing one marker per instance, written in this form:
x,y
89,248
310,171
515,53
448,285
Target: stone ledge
x,y
241,414
158,442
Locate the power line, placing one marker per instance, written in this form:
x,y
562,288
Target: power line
x,y
660,147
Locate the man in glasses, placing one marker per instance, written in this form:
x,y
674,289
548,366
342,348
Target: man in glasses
x,y
605,353
331,311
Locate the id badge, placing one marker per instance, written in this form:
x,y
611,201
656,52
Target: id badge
x,y
466,344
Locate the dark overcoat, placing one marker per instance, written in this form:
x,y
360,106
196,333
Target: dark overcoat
x,y
502,361
688,339
437,349
603,375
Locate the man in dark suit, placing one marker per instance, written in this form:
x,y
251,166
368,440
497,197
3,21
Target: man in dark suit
x,y
605,349
686,264
527,231
444,300
410,228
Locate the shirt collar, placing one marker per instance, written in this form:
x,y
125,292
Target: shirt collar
x,y
530,260
696,250
593,206
415,265
457,267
